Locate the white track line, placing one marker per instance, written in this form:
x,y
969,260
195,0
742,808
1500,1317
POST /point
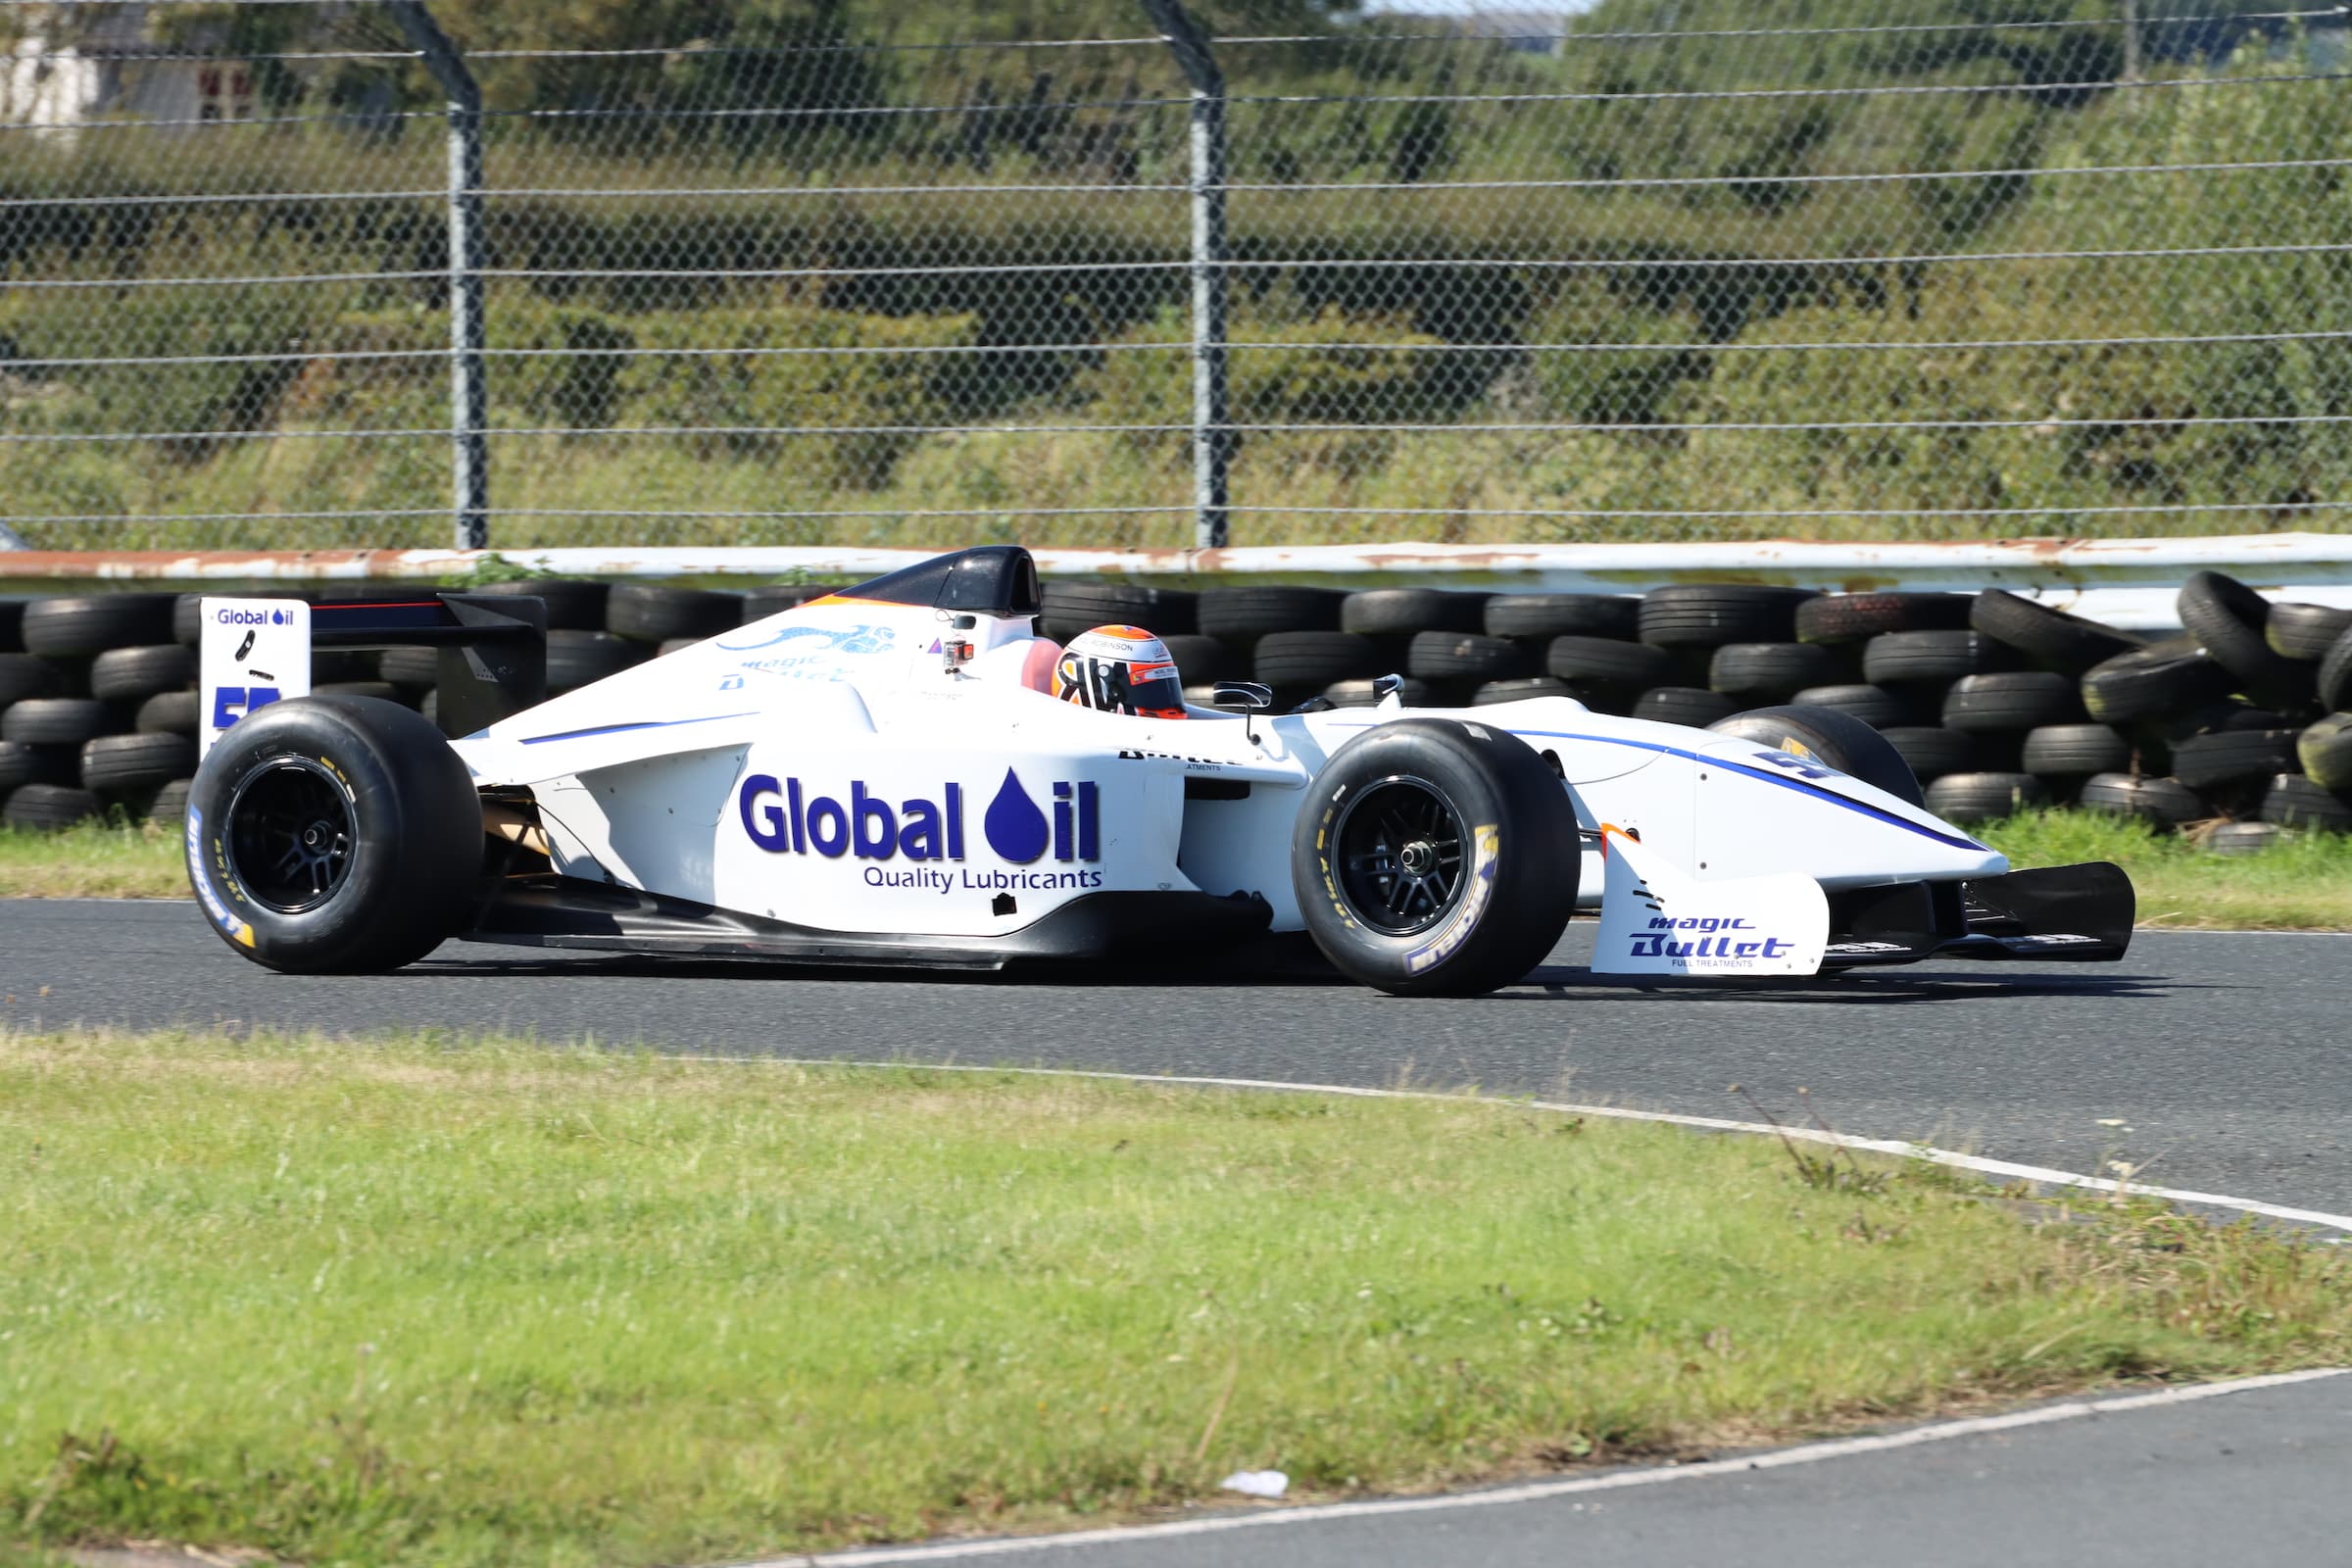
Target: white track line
x,y
1543,1491
2042,1174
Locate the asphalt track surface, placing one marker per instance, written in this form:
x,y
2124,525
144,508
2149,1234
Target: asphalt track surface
x,y
2220,1062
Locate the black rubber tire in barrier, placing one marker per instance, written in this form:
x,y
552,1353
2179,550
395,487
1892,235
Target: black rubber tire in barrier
x,y
337,835
1710,615
1080,604
573,604
86,626
187,620
1540,617
769,599
2305,631
1765,670
1294,658
1519,690
2164,803
576,659
2013,700
1692,706
1858,617
2173,676
382,691
1874,706
340,667
2051,638
2243,838
1841,740
2325,752
1410,693
27,676
418,668
60,721
1931,752
651,612
1403,611
2336,676
1200,659
1468,656
169,714
11,625
1897,656
1241,615
2206,762
1970,798
2226,618
2076,750
134,674
47,808
2294,801
118,766
22,765
1433,858
170,803
2214,717
1584,662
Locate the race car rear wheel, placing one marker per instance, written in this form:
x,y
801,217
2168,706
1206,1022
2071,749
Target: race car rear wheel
x,y
1436,857
333,835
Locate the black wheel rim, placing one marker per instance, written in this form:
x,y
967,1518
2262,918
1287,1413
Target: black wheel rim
x,y
290,834
1399,851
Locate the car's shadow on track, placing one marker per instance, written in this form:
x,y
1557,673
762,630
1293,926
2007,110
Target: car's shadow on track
x,y
1870,988
1283,965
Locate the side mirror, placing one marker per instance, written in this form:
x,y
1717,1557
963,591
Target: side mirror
x,y
1248,696
1385,687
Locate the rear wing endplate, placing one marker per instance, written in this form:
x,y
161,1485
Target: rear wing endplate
x,y
493,661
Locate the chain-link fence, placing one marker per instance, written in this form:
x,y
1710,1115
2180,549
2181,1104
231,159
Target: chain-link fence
x,y
773,271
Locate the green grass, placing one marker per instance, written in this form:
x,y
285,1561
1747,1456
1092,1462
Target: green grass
x,y
435,1303
2304,884
93,861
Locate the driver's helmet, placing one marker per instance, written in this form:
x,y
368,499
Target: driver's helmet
x,y
1120,670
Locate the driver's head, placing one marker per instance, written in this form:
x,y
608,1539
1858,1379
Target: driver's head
x,y
1120,670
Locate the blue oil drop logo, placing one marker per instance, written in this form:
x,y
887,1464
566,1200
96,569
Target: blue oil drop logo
x,y
1015,826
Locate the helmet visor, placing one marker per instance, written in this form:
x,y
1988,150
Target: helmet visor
x,y
1123,686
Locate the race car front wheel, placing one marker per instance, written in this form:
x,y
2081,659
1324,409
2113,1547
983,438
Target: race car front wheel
x,y
333,835
1436,857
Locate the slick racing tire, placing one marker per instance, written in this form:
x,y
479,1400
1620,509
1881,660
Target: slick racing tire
x,y
1434,858
1840,740
333,835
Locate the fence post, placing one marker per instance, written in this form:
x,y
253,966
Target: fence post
x,y
470,401
1212,437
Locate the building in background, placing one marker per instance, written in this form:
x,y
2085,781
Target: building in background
x,y
115,63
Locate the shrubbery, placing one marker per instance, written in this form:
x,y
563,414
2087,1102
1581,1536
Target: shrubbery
x,y
1705,298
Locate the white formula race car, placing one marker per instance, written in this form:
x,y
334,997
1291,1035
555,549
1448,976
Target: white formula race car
x,y
882,777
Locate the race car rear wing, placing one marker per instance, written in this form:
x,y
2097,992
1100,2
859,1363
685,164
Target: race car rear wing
x,y
492,659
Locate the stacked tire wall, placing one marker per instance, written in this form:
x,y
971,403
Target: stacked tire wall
x,y
2242,726
98,692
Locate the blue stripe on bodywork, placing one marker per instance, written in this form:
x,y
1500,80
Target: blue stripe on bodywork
x,y
618,729
1782,780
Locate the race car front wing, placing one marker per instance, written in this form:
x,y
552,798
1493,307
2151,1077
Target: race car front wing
x,y
2057,915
